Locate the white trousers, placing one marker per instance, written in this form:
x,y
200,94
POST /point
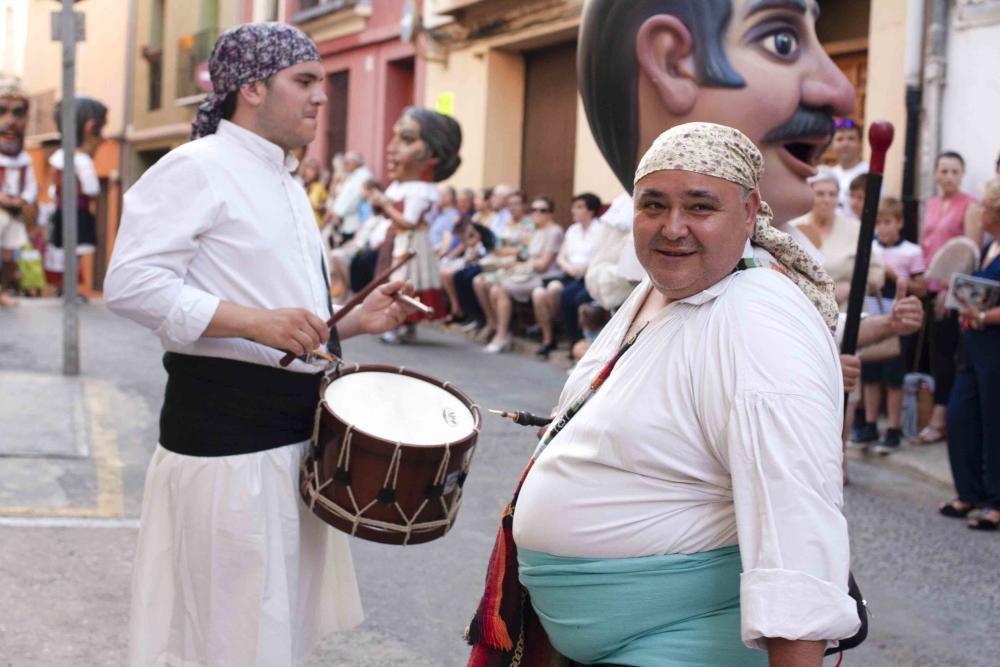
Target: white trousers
x,y
232,569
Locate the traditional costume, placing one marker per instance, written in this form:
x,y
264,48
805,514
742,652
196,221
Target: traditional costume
x,y
17,179
686,503
415,199
231,568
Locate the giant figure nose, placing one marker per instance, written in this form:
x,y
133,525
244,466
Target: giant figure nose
x,y
826,86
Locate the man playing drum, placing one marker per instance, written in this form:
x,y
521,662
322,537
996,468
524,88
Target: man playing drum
x,y
219,255
686,505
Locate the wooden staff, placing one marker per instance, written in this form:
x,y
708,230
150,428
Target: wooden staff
x,y
358,298
880,138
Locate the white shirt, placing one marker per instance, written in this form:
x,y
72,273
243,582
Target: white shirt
x,y
217,219
720,426
86,175
579,242
348,199
11,185
844,178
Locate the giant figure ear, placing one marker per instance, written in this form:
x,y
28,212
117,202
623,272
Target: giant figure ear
x,y
666,58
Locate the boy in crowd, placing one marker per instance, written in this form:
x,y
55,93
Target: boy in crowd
x,y
904,267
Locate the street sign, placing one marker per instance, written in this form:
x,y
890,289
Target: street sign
x,y
80,26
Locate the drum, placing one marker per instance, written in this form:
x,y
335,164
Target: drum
x,y
390,453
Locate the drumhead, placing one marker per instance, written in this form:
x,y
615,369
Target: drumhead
x,y
399,408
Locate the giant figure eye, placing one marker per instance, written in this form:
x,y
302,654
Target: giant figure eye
x,y
783,43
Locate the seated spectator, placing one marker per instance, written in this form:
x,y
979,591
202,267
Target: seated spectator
x,y
476,242
443,216
904,267
516,280
312,181
513,243
346,202
606,281
562,297
352,264
498,203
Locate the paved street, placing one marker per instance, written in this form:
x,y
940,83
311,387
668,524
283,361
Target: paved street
x,y
70,496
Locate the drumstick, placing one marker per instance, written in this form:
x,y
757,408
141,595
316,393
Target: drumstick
x,y
880,138
523,418
358,298
416,303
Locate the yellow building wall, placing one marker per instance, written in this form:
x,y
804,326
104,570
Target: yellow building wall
x,y
591,172
886,90
504,118
487,89
463,78
169,125
100,59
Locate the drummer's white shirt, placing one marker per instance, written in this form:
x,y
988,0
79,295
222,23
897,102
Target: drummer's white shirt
x,y
720,426
219,218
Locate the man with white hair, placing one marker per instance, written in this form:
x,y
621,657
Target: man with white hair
x,y
690,510
349,195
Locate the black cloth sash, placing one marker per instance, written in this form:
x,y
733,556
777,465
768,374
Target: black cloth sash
x,y
222,407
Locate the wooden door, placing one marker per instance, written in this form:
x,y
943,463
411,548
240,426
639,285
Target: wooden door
x,y
854,65
550,125
338,87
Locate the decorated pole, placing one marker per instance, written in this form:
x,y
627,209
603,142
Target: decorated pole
x,y
880,138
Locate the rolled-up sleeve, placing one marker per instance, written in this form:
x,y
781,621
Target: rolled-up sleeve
x,y
792,533
781,440
164,215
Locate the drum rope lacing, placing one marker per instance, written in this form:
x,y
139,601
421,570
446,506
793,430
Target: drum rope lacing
x,y
357,518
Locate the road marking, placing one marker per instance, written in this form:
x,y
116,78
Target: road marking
x,y
66,522
97,412
104,441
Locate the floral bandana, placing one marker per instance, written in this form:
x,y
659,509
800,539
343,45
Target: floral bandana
x,y
726,153
244,54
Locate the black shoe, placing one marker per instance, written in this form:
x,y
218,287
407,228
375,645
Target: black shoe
x,y
544,349
953,511
890,443
867,434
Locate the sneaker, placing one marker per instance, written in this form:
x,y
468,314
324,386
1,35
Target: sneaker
x,y
390,338
472,326
865,436
890,443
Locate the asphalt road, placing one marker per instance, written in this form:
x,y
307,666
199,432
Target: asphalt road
x,y
64,565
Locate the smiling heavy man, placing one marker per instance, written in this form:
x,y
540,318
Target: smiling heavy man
x,y
219,255
689,509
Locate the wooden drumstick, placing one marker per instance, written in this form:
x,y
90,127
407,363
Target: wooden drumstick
x,y
358,298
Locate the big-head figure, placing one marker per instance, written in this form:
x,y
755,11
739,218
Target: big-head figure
x,y
756,65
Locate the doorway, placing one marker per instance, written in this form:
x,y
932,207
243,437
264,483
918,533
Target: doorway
x,y
549,147
338,88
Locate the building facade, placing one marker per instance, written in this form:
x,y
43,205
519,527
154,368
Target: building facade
x,y
507,70
169,61
373,72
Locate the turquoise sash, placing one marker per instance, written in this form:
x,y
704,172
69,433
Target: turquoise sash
x,y
656,611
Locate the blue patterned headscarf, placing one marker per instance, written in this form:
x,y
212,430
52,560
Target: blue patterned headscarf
x,y
244,54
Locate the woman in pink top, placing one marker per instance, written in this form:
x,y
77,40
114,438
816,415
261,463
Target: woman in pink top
x,y
943,221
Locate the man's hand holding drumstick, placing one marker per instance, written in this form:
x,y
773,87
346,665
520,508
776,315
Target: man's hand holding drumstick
x,y
300,331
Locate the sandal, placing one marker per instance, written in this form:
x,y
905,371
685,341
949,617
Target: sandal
x,y
984,522
956,509
928,436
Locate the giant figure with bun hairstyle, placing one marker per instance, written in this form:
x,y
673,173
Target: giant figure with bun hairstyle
x,y
423,151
